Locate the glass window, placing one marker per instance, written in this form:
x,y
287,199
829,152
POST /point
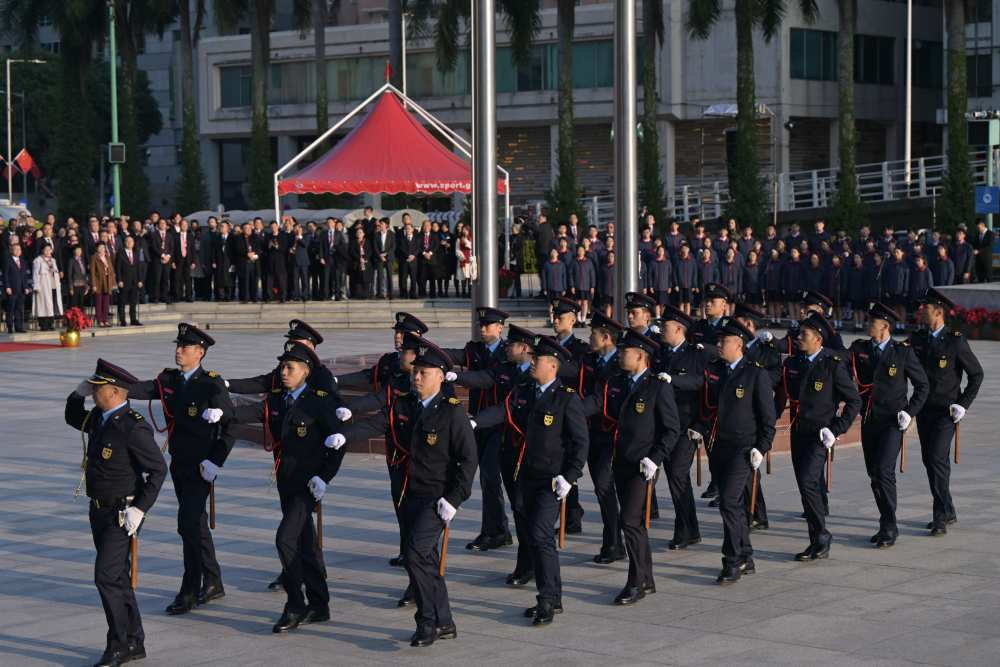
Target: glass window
x,y
874,60
593,64
979,11
979,74
424,79
235,86
813,55
928,65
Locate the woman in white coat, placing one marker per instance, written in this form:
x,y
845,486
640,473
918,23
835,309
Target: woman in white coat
x,y
47,301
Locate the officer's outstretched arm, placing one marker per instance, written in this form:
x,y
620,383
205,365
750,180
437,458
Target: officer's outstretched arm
x,y
844,390
357,380
146,390
255,385
370,402
763,407
484,379
918,378
577,439
147,459
373,426
491,416
249,413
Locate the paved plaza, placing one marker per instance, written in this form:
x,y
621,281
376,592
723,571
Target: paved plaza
x,y
925,601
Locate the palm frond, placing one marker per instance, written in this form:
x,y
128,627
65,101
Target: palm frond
x,y
653,19
702,17
769,15
229,12
809,10
448,36
523,21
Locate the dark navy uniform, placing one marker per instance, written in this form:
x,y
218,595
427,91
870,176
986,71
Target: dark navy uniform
x,y
319,379
123,468
766,355
570,373
945,357
376,377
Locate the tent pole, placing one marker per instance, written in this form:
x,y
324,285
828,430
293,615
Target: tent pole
x,y
277,201
507,221
484,153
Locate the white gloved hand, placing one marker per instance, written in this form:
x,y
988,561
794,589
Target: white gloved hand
x,y
445,510
317,488
212,415
561,487
450,376
664,377
827,437
903,418
335,380
694,435
227,382
655,329
473,423
335,441
209,471
956,411
84,389
765,336
133,517
344,414
647,468
756,458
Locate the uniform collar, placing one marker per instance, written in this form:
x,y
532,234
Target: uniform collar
x,y
524,366
610,355
679,346
106,415
295,393
565,341
881,346
937,332
732,366
492,347
545,387
638,376
430,400
187,374
813,357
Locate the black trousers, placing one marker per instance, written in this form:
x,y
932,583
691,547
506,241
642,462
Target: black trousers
x,y
159,281
407,274
243,281
599,463
936,430
111,575
130,296
541,509
182,281
508,463
300,282
276,284
15,311
678,471
631,488
731,471
881,441
200,565
494,522
422,529
397,475
809,463
428,286
574,511
760,506
296,542
383,278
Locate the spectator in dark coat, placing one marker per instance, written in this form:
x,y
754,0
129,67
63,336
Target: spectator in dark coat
x,y
685,278
582,282
275,273
606,278
814,273
17,286
554,276
427,245
983,251
646,257
128,272
407,254
751,280
896,280
543,241
661,279
301,261
792,276
855,290
961,254
360,253
942,268
921,280
731,273
773,288
708,271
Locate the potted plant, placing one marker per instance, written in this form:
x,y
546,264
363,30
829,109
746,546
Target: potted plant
x,y
507,278
76,321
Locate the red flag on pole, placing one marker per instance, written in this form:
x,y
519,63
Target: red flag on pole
x,y
24,161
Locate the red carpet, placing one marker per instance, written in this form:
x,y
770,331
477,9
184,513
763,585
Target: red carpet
x,y
27,347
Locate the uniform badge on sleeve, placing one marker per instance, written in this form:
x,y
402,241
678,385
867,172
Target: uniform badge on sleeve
x,y
740,392
818,385
106,453
192,411
432,438
640,407
548,420
301,430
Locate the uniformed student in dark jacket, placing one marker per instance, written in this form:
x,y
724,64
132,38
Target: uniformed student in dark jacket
x,y
479,355
441,458
646,428
547,422
884,370
945,356
761,350
582,282
684,365
374,378
812,302
299,421
814,384
737,426
123,471
198,412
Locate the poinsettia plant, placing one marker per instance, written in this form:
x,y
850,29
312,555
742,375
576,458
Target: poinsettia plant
x,y
976,316
507,278
77,320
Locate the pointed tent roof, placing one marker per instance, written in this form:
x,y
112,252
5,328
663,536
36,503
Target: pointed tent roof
x,y
388,151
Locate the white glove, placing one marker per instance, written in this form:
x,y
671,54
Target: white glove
x,y
317,488
756,458
336,441
450,376
956,411
133,517
903,418
473,423
335,380
647,468
209,471
664,377
655,329
227,382
827,437
343,414
694,435
765,336
561,487
445,510
84,389
212,415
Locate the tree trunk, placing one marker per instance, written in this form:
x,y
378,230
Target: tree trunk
x,y
396,42
134,184
567,188
651,187
191,193
745,185
848,213
958,191
261,183
319,32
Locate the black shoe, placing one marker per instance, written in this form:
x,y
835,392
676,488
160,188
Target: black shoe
x,y
211,592
814,552
886,541
112,658
544,614
276,585
136,652
396,561
649,589
137,323
530,612
574,528
714,502
481,543
315,615
710,492
608,556
520,578
759,525
629,595
730,575
803,516
939,531
447,632
182,604
748,567
877,537
289,621
819,553
947,522
408,599
423,637
677,545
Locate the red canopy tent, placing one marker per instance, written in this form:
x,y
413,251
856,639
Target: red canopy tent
x,y
388,151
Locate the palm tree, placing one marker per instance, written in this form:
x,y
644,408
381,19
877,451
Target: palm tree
x,y
192,195
651,187
747,196
565,197
958,189
848,212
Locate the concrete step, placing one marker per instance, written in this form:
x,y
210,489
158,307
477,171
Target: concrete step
x,y
149,326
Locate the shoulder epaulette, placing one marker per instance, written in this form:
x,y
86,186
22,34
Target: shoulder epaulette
x,y
699,346
835,358
904,343
569,390
956,333
758,364
213,374
454,401
277,390
321,393
135,415
170,370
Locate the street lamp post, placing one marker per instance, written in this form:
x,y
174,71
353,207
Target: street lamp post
x,y
10,141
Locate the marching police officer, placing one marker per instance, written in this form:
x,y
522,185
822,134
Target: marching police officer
x,y
644,413
762,350
440,466
812,302
946,357
639,312
123,470
476,356
882,369
299,418
299,333
737,425
684,363
715,300
375,378
814,383
198,449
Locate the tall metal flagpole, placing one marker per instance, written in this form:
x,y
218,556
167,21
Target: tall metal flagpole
x,y
625,157
908,132
484,157
116,208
